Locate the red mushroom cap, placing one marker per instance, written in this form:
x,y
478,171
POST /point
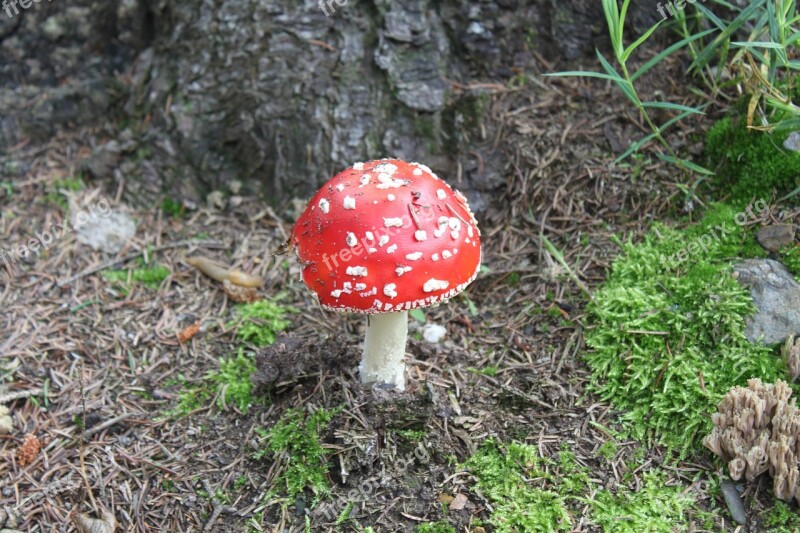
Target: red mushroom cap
x,y
387,236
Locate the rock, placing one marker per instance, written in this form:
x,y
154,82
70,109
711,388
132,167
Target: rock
x,y
792,142
734,501
776,295
773,238
101,227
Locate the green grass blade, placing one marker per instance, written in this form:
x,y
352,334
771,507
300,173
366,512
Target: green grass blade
x,y
667,51
621,82
686,163
704,57
672,106
634,147
627,53
584,74
757,44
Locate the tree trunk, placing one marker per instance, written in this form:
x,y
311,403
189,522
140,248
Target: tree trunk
x,y
275,93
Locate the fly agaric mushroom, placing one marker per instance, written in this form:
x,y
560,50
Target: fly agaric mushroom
x,y
381,238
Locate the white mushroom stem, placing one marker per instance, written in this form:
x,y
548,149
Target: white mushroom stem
x,y
383,359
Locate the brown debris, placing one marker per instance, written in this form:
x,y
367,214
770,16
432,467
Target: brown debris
x,y
27,453
757,429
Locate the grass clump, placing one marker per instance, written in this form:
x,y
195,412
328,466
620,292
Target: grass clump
x,y
259,322
668,334
751,163
295,441
514,482
655,508
148,274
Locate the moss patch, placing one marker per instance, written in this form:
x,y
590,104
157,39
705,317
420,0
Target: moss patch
x,y
751,163
260,321
148,274
295,440
515,482
655,508
230,384
668,330
531,493
790,256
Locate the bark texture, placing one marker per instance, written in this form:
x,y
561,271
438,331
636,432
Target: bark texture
x,y
275,93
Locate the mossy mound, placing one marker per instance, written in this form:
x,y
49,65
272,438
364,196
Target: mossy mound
x,y
668,338
751,164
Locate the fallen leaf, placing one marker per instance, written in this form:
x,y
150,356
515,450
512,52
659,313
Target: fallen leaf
x,y
85,524
444,498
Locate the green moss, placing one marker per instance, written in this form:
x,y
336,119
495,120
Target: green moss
x,y
173,208
781,518
148,274
790,256
54,194
668,330
295,441
751,163
232,381
411,434
230,384
607,450
260,321
655,508
513,482
435,527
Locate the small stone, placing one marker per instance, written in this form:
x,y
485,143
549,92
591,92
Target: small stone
x,y
775,237
792,142
733,501
433,332
6,422
776,296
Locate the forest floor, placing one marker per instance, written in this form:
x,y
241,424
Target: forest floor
x,y
91,353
